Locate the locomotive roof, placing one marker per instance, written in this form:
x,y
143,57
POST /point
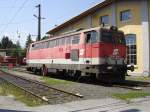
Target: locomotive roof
x,y
66,35
75,33
80,16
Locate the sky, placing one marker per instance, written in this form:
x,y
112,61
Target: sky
x,y
16,16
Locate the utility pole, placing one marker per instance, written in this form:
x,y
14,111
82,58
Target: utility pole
x,y
39,22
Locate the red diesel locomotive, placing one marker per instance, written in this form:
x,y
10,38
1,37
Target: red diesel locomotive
x,y
99,52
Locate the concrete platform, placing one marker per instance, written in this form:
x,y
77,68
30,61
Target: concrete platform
x,y
9,104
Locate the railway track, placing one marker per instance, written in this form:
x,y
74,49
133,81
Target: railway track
x,y
126,85
137,88
40,90
134,85
24,71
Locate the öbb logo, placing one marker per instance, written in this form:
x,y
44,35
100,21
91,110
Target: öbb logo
x,y
115,54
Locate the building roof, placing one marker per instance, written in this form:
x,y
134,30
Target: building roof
x,y
80,16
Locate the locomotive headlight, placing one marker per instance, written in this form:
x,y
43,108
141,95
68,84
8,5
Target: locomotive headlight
x,y
110,68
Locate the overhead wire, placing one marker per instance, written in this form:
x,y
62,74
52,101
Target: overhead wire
x,y
14,16
10,10
20,22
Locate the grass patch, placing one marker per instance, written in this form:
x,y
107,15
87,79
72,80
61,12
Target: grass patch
x,y
20,95
130,95
2,92
53,81
138,78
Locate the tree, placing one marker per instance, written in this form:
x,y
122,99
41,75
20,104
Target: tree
x,y
6,43
18,44
45,37
16,50
29,41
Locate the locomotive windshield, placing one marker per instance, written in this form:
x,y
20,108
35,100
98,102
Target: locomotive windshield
x,y
112,37
106,36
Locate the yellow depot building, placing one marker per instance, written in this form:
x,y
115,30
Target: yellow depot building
x,y
130,16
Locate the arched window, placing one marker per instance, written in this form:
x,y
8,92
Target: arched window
x,y
131,49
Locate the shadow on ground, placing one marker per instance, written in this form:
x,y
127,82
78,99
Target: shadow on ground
x,y
6,110
131,110
91,80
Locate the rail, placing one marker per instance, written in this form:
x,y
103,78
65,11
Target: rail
x,y
38,89
125,85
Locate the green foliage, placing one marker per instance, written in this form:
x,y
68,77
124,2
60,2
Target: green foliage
x,y
20,95
6,42
28,41
53,81
138,78
45,37
16,50
130,95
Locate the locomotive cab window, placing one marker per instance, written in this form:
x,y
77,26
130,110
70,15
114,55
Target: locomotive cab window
x,y
91,37
119,38
106,36
115,37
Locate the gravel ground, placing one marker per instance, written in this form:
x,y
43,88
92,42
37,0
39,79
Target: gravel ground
x,y
95,97
27,75
89,91
9,104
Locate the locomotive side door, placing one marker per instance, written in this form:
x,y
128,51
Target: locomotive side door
x,y
91,47
88,48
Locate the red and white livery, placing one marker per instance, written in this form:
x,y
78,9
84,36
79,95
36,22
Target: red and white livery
x,y
98,52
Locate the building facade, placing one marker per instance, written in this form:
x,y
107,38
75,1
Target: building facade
x,y
130,16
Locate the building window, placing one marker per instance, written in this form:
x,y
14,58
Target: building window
x,y
131,49
104,20
125,15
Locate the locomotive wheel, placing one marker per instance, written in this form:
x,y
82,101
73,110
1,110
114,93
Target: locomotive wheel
x,y
104,78
28,69
34,70
77,75
44,70
74,74
70,73
98,77
122,78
